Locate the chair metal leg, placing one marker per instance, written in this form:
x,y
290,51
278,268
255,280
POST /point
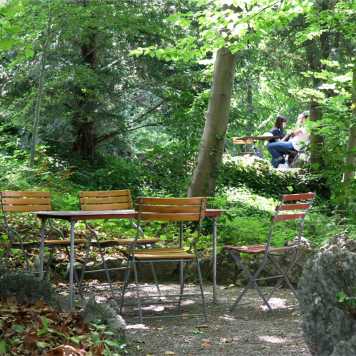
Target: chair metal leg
x,y
201,289
139,304
252,280
155,279
107,273
83,271
42,236
71,265
126,281
285,276
181,282
280,280
75,272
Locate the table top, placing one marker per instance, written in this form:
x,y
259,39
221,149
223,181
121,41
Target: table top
x,y
76,215
255,138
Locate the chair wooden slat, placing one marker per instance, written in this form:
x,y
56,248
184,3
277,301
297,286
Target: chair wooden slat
x,y
294,207
169,217
163,254
26,208
22,201
26,201
124,242
169,208
107,193
169,201
24,194
239,141
296,197
105,200
101,207
284,217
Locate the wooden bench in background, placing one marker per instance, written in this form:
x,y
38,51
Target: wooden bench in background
x,y
249,141
246,140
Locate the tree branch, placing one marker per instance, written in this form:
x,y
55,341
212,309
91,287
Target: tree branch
x,y
112,134
146,125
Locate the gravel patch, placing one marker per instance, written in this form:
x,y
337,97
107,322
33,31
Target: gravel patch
x,y
247,331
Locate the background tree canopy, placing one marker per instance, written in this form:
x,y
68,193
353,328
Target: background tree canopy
x,y
109,94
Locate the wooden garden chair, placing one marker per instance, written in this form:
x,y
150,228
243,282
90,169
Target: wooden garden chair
x,y
165,210
17,205
104,201
292,207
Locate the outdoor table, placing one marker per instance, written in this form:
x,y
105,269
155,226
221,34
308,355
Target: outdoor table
x,y
74,216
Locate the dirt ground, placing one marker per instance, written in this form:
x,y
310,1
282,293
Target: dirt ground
x,y
247,331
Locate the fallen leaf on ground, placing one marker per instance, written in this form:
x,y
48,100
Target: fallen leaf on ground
x,y
65,350
202,326
225,340
206,343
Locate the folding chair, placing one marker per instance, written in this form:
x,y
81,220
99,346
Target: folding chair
x,y
165,210
107,200
291,207
15,205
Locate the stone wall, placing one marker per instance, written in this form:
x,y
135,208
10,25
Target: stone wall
x,y
329,328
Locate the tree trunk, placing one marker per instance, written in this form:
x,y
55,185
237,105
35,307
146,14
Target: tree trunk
x,y
213,139
85,135
317,50
351,147
37,113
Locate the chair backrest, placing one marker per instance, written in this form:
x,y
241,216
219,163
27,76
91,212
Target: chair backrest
x,y
105,200
21,202
171,209
293,206
14,202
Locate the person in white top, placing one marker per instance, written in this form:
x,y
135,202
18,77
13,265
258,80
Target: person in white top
x,y
291,143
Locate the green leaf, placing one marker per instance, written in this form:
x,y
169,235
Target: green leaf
x,y
29,52
42,344
3,347
6,44
18,328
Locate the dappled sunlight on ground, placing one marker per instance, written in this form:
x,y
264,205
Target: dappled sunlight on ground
x,y
273,339
276,303
137,327
227,317
249,330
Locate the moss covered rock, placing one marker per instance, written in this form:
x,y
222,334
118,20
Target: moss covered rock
x,y
329,328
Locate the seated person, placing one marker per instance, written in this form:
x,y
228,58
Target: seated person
x,y
278,130
291,143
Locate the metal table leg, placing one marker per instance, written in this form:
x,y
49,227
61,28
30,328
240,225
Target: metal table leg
x,y
42,236
71,266
214,235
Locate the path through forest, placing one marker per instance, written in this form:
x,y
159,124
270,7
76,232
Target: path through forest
x,y
248,331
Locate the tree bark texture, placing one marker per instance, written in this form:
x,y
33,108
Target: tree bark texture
x,y
316,141
37,113
213,139
83,123
317,50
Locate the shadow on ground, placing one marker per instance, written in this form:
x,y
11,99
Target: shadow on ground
x,y
248,330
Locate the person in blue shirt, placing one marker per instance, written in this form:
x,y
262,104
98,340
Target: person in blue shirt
x,y
277,130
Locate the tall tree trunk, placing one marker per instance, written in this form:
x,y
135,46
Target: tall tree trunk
x,y
317,50
213,139
37,113
85,135
351,147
